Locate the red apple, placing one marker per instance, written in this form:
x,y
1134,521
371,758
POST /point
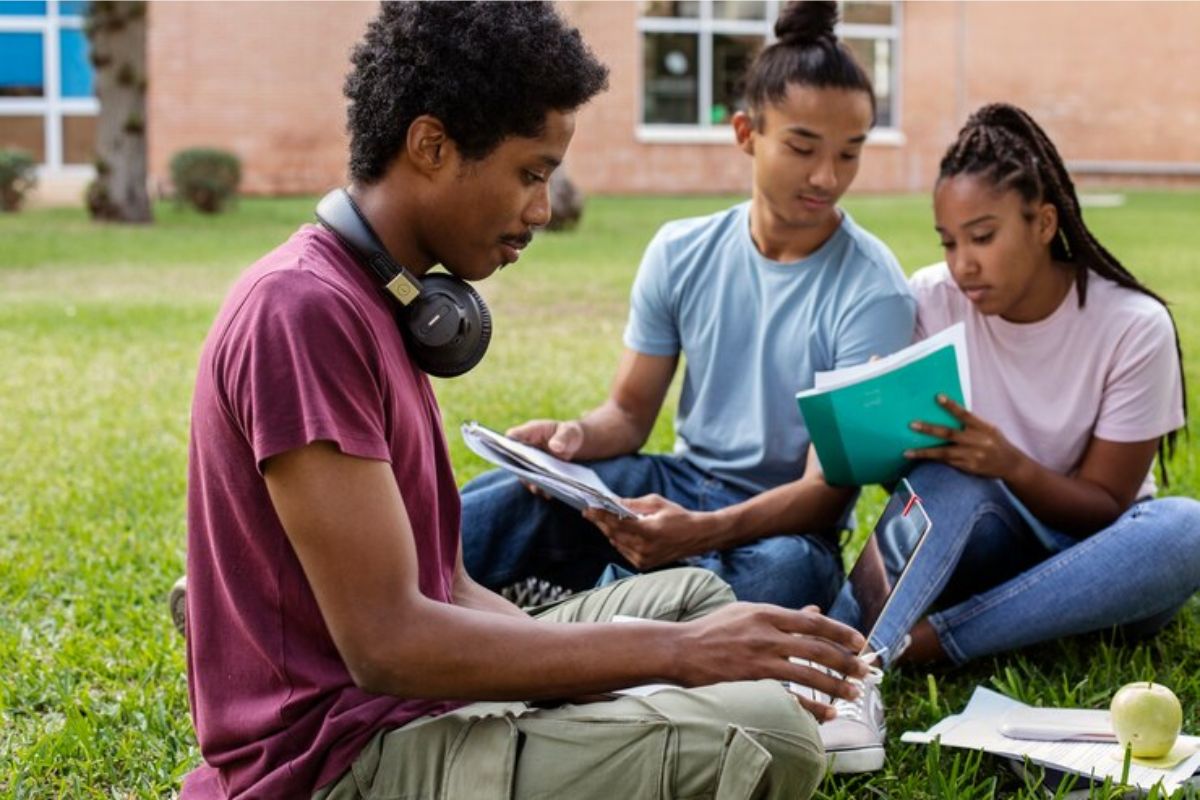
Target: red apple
x,y
1146,718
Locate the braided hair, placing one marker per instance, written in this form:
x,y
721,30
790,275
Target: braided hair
x,y
807,53
1003,145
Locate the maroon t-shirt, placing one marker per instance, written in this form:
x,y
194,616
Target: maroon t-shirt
x,y
304,349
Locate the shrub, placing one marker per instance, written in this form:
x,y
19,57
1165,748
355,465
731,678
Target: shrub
x,y
205,178
18,174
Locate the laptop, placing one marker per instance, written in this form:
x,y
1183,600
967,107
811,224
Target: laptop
x,y
879,576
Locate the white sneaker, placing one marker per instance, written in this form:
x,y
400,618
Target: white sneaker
x,y
854,738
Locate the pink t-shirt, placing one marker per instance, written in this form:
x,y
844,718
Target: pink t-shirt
x,y
304,349
1108,370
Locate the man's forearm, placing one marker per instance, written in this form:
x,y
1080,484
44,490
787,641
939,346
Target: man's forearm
x,y
506,658
1065,502
803,506
610,431
469,594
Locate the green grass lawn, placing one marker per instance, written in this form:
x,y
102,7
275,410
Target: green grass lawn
x,y
101,328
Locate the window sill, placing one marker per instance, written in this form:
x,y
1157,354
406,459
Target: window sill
x,y
71,172
723,134
21,106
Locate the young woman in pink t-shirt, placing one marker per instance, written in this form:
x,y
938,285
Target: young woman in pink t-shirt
x,y
1043,504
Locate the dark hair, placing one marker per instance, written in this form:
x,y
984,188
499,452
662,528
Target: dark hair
x,y
808,53
1003,145
488,71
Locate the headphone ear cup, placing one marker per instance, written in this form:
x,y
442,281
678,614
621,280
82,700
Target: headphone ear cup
x,y
448,328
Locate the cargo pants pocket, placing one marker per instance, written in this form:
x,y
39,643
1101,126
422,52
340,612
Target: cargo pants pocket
x,y
744,763
452,757
586,757
482,761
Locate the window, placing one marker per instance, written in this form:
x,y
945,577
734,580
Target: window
x,y
47,98
694,53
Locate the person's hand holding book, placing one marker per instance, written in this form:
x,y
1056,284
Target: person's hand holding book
x,y
559,439
664,532
979,448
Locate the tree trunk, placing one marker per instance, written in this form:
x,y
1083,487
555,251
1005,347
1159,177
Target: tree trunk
x,y
566,202
117,34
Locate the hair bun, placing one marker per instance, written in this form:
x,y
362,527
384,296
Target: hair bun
x,y
808,22
997,115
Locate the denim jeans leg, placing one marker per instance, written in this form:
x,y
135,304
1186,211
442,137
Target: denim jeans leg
x,y
789,570
1138,570
509,533
792,571
972,518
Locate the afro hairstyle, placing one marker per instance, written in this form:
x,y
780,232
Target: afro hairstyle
x,y
487,70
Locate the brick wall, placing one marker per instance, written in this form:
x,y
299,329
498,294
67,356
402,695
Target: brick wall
x,y
1109,81
261,79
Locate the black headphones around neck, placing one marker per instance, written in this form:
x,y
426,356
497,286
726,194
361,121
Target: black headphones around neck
x,y
444,321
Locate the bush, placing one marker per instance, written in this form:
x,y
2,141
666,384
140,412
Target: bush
x,y
18,174
205,178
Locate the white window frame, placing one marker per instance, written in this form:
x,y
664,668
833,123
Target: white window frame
x,y
51,106
705,26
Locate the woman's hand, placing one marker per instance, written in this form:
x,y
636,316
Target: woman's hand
x,y
979,448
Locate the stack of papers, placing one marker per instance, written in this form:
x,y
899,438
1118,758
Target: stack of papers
x,y
978,727
574,484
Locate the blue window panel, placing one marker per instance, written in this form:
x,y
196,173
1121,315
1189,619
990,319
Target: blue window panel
x,y
22,8
76,69
77,8
21,65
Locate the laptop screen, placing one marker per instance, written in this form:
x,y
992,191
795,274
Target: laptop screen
x,y
878,575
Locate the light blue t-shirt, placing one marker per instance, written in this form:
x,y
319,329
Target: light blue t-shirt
x,y
753,331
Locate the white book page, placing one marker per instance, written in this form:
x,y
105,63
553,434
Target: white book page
x,y
955,336
579,486
554,467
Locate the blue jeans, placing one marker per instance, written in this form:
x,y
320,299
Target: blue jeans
x,y
509,534
998,584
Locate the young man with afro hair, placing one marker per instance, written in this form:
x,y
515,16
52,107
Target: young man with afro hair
x,y
336,646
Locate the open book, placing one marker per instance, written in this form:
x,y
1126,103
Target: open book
x,y
574,484
858,418
981,726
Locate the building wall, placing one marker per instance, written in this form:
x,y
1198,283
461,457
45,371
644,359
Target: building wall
x,y
261,79
1109,81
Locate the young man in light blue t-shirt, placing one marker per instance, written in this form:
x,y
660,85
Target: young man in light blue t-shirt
x,y
742,494
756,298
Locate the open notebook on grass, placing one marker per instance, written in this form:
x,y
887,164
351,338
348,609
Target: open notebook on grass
x,y
980,726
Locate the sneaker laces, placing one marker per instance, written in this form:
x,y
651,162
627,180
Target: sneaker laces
x,y
855,710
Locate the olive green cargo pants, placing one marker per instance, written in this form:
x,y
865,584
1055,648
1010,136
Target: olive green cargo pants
x,y
730,741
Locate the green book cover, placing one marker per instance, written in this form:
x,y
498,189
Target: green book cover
x,y
861,430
